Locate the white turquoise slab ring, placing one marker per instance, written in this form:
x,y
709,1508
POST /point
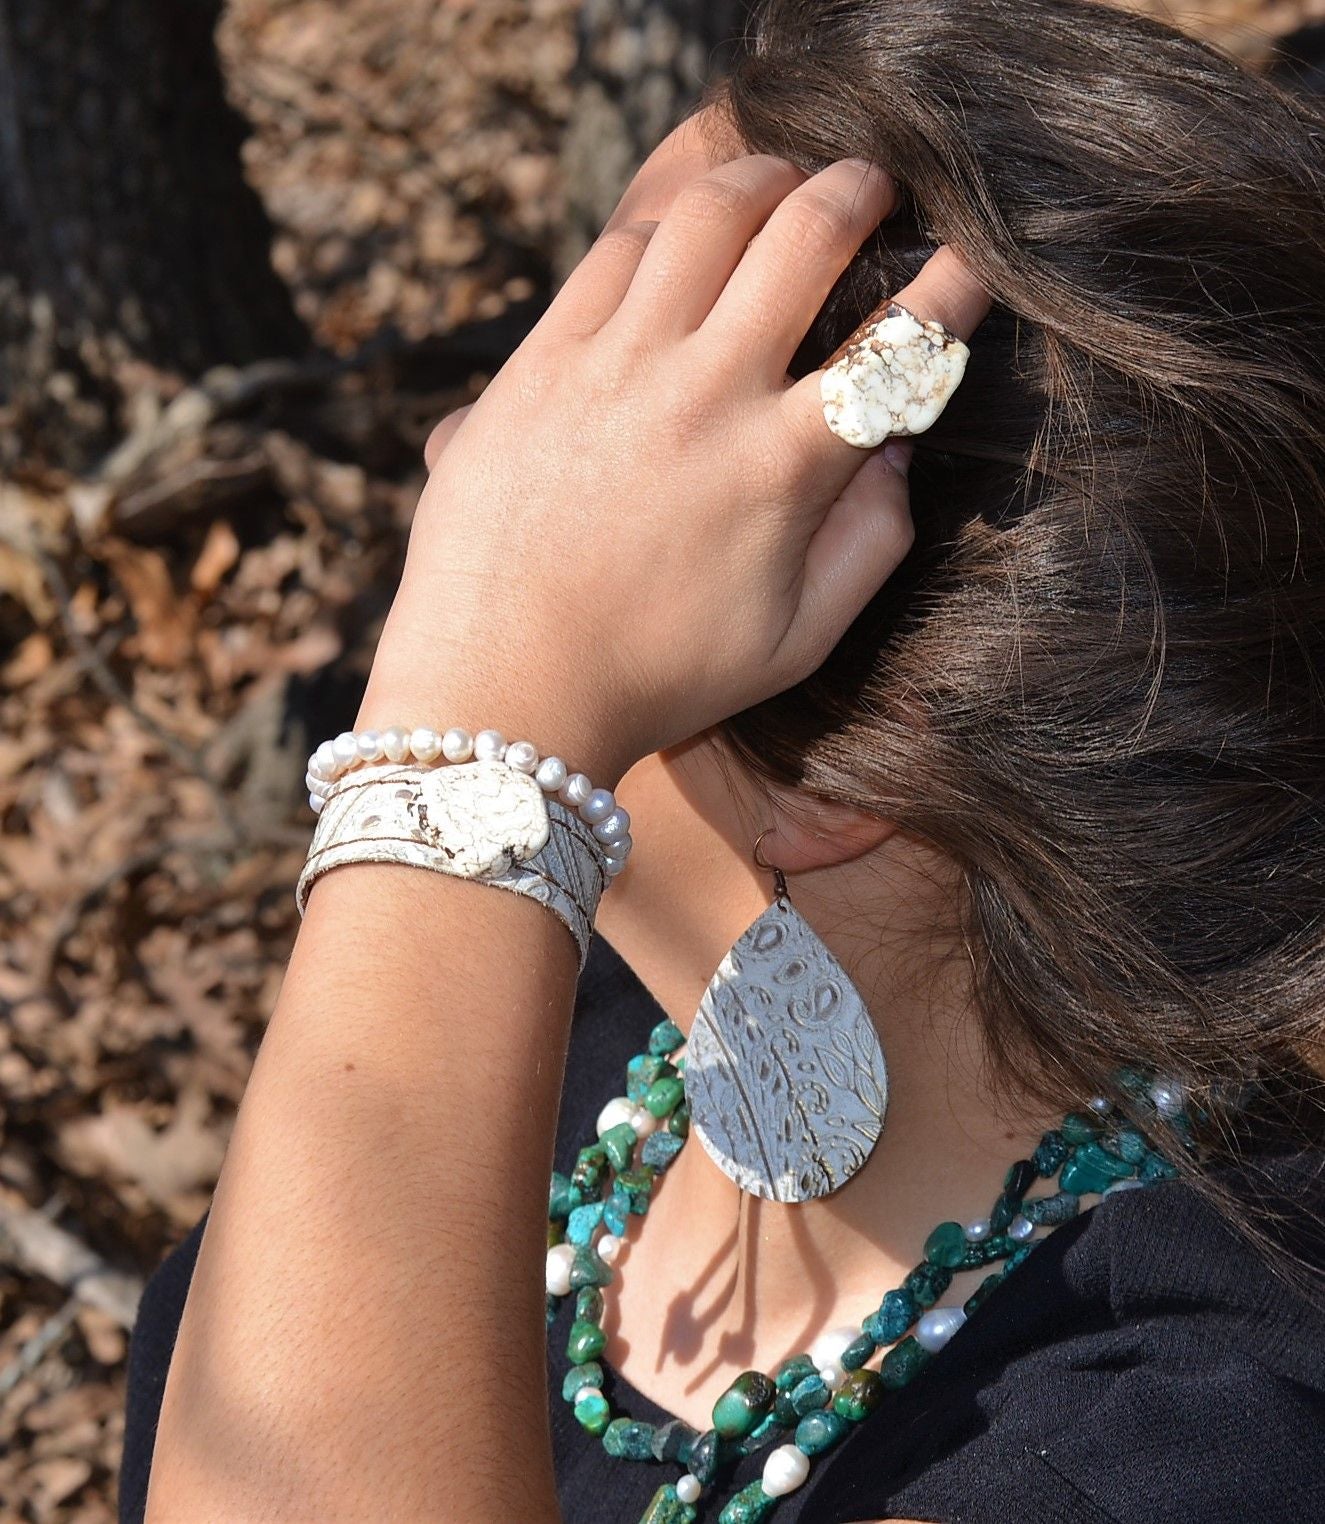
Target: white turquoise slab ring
x,y
891,378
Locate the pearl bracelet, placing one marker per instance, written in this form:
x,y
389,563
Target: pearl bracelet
x,y
597,807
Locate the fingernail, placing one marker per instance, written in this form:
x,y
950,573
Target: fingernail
x,y
898,453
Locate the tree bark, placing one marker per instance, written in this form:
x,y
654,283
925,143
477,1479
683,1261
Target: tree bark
x,y
127,230
641,65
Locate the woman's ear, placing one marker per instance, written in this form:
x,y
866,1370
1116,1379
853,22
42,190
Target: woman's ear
x,y
806,833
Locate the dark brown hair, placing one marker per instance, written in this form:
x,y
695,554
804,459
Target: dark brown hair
x,y
1097,681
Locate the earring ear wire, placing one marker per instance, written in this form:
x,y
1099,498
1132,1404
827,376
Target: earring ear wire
x,y
779,877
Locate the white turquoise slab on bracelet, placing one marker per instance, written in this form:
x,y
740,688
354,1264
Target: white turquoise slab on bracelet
x,y
812,1401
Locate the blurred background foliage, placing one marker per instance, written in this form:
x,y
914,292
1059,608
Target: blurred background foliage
x,y
249,254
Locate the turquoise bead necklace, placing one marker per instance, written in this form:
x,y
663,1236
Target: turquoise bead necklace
x,y
804,1408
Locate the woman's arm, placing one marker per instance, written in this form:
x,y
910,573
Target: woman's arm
x,y
638,490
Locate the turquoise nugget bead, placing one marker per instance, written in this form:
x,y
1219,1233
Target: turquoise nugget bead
x,y
635,1185
592,1412
583,1222
810,1394
589,1374
897,1312
589,1172
817,1432
1051,1154
1079,1127
665,1039
1157,1167
792,1370
902,1362
946,1245
660,1148
703,1460
562,1198
629,1439
586,1342
615,1211
927,1283
859,1395
664,1096
671,1439
589,1305
588,1270
741,1407
641,1072
1050,1211
751,1505
857,1352
619,1144
680,1122
666,1508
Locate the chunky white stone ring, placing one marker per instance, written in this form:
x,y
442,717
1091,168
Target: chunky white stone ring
x,y
892,377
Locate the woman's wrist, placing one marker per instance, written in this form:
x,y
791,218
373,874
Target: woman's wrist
x,y
488,690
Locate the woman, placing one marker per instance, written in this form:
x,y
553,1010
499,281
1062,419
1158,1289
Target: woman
x,y
1038,764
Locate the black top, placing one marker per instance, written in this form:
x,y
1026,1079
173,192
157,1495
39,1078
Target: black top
x,y
1142,1365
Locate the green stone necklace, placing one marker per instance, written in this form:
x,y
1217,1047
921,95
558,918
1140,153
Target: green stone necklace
x,y
811,1402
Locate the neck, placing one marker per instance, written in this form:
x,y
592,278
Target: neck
x,y
690,892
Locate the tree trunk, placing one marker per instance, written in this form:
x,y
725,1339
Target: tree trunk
x,y
127,230
642,64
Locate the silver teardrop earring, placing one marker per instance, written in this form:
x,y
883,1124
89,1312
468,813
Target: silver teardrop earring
x,y
784,1075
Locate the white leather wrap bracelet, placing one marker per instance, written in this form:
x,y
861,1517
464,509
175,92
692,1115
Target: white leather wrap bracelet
x,y
490,819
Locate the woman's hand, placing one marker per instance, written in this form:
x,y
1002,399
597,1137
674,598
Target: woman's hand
x,y
643,526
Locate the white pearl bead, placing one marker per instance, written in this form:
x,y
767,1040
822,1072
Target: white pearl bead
x,y
345,748
936,1327
785,1469
608,1246
688,1488
828,1348
977,1231
618,848
457,745
314,784
598,806
619,1109
613,827
315,803
560,1258
551,774
613,865
368,743
425,744
643,1121
489,746
395,743
1020,1229
1123,1185
1101,1105
1167,1098
325,758
576,789
832,1376
522,756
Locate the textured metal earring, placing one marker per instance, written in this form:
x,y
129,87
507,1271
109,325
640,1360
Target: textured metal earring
x,y
784,1073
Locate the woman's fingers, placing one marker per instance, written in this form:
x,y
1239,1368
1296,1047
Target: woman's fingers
x,y
787,272
593,290
701,240
944,290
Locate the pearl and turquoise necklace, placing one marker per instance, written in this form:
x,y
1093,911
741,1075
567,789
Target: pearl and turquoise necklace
x,y
811,1401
